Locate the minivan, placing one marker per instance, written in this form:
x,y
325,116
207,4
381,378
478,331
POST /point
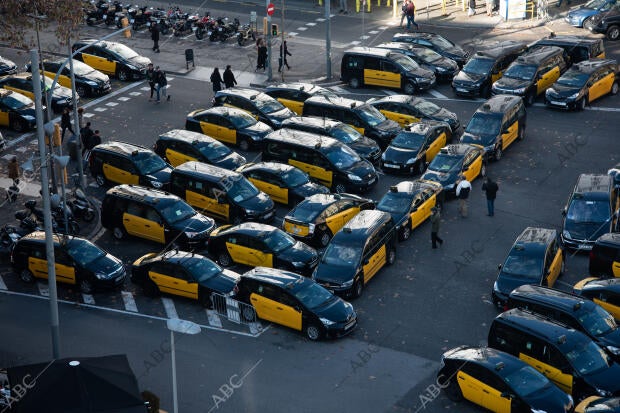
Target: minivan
x,y
579,48
605,256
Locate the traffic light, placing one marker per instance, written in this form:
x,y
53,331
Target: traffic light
x,y
125,23
274,29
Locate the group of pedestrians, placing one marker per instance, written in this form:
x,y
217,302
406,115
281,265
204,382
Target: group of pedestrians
x,y
261,59
408,12
228,80
158,83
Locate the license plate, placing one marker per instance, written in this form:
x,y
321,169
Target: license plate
x,y
389,165
555,102
148,24
585,247
296,229
209,33
116,19
105,17
460,89
219,30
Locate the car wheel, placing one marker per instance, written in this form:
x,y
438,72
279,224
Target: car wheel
x,y
354,82
581,105
118,233
26,276
530,98
324,238
421,167
585,22
86,286
498,153
613,33
313,332
409,88
224,259
150,289
100,179
340,188
205,299
483,170
358,288
391,256
244,145
81,91
614,89
405,232
248,313
18,125
123,75
453,391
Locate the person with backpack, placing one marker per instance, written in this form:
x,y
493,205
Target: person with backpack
x,y
411,16
491,188
462,193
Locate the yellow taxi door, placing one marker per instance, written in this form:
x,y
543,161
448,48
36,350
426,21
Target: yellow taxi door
x,y
301,230
510,135
62,79
38,267
209,129
470,387
118,175
227,135
435,146
176,158
337,221
4,118
100,63
295,106
174,285
496,76
401,118
276,193
473,170
287,316
612,309
265,307
210,206
601,87
547,79
492,399
374,263
423,212
562,380
258,258
615,268
143,228
554,269
322,174
373,77
65,273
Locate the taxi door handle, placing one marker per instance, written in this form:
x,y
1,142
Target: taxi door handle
x,y
147,225
126,219
547,371
175,282
279,308
254,299
485,391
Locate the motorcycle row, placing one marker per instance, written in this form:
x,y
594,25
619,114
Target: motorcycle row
x,y
173,20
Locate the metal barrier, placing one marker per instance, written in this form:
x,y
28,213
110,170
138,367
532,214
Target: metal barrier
x,y
233,310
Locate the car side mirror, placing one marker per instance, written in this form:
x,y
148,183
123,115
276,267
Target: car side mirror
x,y
499,267
298,309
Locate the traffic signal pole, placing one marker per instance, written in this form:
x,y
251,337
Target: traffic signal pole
x,y
269,71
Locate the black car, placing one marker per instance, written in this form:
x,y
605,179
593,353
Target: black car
x,y
453,161
61,96
261,245
443,67
184,274
435,42
284,183
499,382
605,256
258,104
294,94
88,81
603,291
7,67
413,148
607,23
16,111
114,59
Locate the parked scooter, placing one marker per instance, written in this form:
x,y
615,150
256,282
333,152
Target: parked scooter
x,y
185,26
80,206
95,16
204,26
224,30
32,218
245,33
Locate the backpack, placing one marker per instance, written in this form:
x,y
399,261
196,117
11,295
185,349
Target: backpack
x,y
464,193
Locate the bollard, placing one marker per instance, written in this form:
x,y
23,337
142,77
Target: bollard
x,y
357,6
189,58
368,3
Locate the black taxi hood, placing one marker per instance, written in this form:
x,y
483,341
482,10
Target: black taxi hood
x,y
388,125
140,61
506,282
587,231
456,51
280,115
364,146
163,175
363,169
444,178
548,399
106,264
334,274
259,128
463,77
445,62
401,155
563,91
298,252
422,72
231,161
485,139
223,282
195,223
510,83
335,309
97,76
260,203
310,188
606,379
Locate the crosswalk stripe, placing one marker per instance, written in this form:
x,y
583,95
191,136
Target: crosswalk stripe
x,y
43,289
213,318
255,327
2,284
88,299
171,311
100,109
130,303
437,94
124,98
138,93
389,92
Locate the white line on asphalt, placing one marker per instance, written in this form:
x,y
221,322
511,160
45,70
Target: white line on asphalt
x,y
43,289
214,319
187,37
171,311
293,34
364,37
437,94
373,32
124,98
2,284
112,104
130,303
100,109
88,115
310,24
88,299
383,27
355,42
604,109
137,93
301,29
169,79
320,19
146,89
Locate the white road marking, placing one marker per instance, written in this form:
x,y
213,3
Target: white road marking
x,y
214,319
88,299
364,37
111,104
171,311
124,98
320,19
310,24
188,36
604,109
100,109
437,94
355,42
301,29
43,289
338,89
373,31
383,27
389,92
130,303
2,284
293,34
138,93
169,78
255,327
88,115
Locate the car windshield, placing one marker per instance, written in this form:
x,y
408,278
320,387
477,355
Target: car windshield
x,y
427,108
148,162
122,50
242,190
15,101
484,124
406,62
342,156
203,269
345,134
177,211
597,321
444,163
84,252
478,66
408,140
268,104
305,212
242,120
313,295
295,177
595,4
343,255
523,267
441,42
370,115
278,241
588,212
573,78
214,150
526,381
521,72
321,91
588,359
427,55
394,204
81,69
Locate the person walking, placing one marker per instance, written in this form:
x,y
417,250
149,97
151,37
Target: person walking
x,y
462,193
491,188
65,123
14,170
411,16
229,78
150,77
162,85
94,140
435,221
261,61
403,12
283,53
344,9
156,80
86,134
216,79
472,8
155,36
81,118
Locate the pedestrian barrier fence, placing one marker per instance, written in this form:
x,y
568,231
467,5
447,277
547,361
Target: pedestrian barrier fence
x,y
233,310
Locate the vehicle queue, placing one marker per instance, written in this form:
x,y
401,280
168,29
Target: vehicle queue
x,y
295,285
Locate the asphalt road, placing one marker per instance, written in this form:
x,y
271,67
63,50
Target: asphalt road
x,y
428,302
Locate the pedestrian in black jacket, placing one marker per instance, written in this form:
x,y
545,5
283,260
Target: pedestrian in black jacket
x,y
65,123
229,78
261,61
283,53
150,77
216,79
155,37
491,188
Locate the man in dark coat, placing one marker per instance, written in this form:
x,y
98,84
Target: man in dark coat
x,y
150,77
65,123
229,78
435,221
283,53
86,134
216,79
155,36
491,188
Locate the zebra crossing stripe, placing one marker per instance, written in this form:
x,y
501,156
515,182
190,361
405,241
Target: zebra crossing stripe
x,y
2,284
43,289
214,319
130,303
88,299
171,311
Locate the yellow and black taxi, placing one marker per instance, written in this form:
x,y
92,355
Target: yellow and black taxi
x,y
184,274
435,42
603,291
532,73
597,404
258,104
294,301
60,97
443,67
579,48
591,211
406,109
294,94
485,67
179,146
536,257
496,124
16,111
229,125
77,261
357,252
220,193
455,160
499,382
567,357
364,118
88,81
154,215
371,66
125,163
261,245
413,148
284,183
365,147
316,219
572,310
326,160
111,58
410,203
583,83
605,256
7,67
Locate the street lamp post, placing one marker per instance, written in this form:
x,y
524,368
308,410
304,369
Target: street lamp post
x,y
184,327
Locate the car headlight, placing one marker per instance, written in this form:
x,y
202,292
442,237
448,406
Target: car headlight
x,y
614,350
410,160
297,264
602,392
574,96
310,228
156,184
29,118
496,287
566,234
347,284
101,275
327,322
190,234
91,83
354,177
519,91
383,156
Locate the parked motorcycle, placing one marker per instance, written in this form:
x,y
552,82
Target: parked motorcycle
x,y
204,26
80,206
95,16
32,218
8,238
185,26
224,30
245,33
141,18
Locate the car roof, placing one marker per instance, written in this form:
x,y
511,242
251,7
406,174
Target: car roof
x,y
567,40
176,256
565,301
499,104
496,50
358,228
5,92
372,51
487,357
593,183
609,238
250,228
99,43
590,66
304,138
534,240
266,166
21,75
281,278
313,121
425,126
416,35
151,196
342,102
221,110
413,187
186,136
302,86
456,149
246,92
608,284
407,99
325,200
123,148
210,172
58,238
535,55
399,46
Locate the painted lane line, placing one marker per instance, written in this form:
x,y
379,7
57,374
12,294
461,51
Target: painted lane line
x,y
171,311
88,115
100,109
124,98
169,79
301,29
293,34
355,42
136,93
2,284
88,299
130,303
146,89
364,37
43,289
310,24
214,319
111,104
437,94
373,32
383,27
320,19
